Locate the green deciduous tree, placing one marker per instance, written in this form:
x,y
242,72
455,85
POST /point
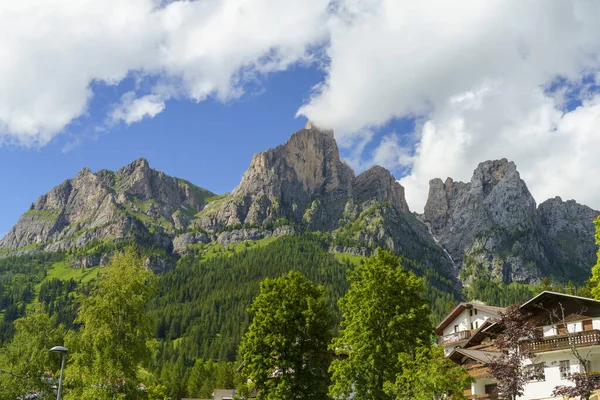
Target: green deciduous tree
x,y
115,333
26,365
429,375
384,316
285,352
207,376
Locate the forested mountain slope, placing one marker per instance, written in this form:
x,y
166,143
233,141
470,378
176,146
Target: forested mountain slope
x,y
298,206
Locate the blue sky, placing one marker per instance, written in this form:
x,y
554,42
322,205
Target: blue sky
x,y
426,89
208,143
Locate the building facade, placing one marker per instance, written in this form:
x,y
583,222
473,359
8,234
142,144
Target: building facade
x,y
565,324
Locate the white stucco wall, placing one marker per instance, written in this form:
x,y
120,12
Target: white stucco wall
x,y
464,321
551,360
543,389
478,387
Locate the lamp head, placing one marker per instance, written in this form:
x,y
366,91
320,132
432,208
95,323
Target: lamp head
x,y
59,349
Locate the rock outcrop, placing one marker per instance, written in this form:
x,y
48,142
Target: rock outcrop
x,y
491,226
108,205
488,227
284,182
568,229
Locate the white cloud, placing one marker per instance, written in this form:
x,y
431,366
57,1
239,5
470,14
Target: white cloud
x,y
52,52
475,73
132,109
554,151
472,72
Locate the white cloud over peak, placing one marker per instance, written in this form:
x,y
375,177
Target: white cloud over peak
x,y
52,52
474,73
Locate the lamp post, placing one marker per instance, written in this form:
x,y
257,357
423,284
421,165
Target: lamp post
x,y
63,351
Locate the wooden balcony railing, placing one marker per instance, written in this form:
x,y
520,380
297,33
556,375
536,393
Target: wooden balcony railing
x,y
455,337
565,341
477,370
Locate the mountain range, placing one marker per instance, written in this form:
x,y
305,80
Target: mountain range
x,y
489,227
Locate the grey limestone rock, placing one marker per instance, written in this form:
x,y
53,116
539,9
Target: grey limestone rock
x,y
491,225
107,205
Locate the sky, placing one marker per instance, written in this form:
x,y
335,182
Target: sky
x,y
426,89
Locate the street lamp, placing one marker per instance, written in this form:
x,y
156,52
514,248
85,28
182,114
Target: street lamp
x,y
63,351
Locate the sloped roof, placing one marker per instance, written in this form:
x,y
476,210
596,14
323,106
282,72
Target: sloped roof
x,y
483,356
439,330
548,302
479,335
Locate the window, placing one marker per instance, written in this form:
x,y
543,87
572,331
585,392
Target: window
x,y
471,313
587,325
476,324
475,311
472,326
535,372
565,369
455,328
562,329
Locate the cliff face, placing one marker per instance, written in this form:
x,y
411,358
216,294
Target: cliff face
x,y
568,230
491,225
487,227
281,184
304,184
106,205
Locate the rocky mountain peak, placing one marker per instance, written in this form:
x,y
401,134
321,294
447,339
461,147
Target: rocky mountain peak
x,y
491,225
106,204
308,162
495,210
379,184
135,178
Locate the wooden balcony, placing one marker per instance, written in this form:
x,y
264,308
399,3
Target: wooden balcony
x,y
565,341
477,370
455,337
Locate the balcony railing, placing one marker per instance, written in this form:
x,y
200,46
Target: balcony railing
x,y
477,370
455,337
565,341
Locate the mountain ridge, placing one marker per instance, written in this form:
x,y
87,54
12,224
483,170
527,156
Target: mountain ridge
x,y
490,226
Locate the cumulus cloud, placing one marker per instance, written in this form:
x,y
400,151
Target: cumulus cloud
x,y
485,79
478,74
132,109
52,53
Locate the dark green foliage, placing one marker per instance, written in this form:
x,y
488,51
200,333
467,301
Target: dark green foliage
x,y
204,301
284,351
385,315
60,299
18,278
